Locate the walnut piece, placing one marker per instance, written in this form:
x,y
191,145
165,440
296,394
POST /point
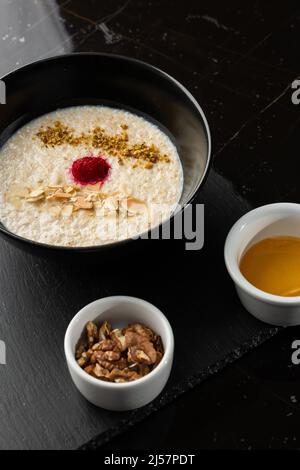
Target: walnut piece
x,y
119,339
118,355
141,330
104,330
91,330
140,348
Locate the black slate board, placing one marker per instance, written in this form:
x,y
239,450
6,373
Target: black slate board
x,y
40,407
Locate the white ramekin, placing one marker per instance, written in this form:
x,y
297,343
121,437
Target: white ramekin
x,y
120,311
266,221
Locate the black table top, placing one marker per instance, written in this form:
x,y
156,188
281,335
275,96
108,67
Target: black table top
x,y
239,62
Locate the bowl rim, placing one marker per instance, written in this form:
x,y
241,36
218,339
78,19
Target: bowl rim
x,y
233,238
168,347
206,128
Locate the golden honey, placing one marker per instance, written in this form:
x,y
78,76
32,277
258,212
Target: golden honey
x,y
273,265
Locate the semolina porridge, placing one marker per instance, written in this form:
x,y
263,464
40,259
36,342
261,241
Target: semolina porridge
x,y
88,175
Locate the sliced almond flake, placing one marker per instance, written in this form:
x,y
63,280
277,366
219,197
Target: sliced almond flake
x,y
59,195
91,197
19,191
92,187
48,190
136,206
34,199
81,203
62,195
111,203
55,211
69,189
14,200
36,193
54,186
67,210
8,196
102,196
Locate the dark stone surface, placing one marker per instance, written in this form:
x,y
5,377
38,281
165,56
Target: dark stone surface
x,y
239,63
252,404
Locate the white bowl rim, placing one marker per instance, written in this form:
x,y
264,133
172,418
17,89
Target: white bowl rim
x,y
234,236
168,347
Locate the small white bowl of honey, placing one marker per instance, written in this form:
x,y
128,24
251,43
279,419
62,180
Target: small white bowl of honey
x,y
262,256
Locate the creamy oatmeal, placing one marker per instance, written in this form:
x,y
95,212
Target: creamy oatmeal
x,y
87,175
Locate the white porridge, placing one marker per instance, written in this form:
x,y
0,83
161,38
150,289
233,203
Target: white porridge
x,y
87,175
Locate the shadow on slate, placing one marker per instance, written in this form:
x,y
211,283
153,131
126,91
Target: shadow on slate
x,y
40,407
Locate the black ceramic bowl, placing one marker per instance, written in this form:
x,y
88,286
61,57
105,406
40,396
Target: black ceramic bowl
x,y
89,78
